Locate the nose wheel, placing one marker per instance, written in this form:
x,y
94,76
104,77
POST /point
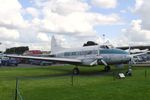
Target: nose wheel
x,y
76,71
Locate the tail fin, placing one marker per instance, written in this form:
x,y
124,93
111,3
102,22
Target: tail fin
x,y
54,46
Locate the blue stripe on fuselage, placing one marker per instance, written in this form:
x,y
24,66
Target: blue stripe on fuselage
x,y
112,51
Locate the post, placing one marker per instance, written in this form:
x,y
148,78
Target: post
x,y
113,75
145,73
72,79
16,89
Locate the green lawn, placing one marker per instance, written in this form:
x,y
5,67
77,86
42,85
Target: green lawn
x,y
55,83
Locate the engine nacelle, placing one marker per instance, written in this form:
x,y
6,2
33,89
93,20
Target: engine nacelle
x,y
89,61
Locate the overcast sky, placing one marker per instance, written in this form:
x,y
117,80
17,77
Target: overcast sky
x,y
73,22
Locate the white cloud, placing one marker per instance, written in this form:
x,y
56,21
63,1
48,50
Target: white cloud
x,y
66,6
62,41
76,23
62,6
135,33
33,24
142,9
32,11
6,34
10,14
138,32
42,37
71,17
105,3
138,4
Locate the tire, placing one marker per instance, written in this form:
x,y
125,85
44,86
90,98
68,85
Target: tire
x,y
76,71
107,68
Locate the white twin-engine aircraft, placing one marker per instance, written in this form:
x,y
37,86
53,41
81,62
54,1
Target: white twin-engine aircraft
x,y
85,56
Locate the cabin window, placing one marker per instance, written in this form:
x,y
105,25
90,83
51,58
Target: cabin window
x,y
73,53
66,54
88,52
81,53
94,52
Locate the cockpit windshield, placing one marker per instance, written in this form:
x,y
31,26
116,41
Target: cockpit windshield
x,y
106,46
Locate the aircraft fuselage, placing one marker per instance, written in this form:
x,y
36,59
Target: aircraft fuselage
x,y
89,54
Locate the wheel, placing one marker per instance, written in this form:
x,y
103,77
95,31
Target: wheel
x,y
76,71
107,68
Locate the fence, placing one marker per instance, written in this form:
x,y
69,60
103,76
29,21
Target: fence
x,y
73,81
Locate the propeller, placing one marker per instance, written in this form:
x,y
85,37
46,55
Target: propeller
x,y
132,61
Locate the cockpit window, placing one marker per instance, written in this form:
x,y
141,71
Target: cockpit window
x,y
104,47
110,46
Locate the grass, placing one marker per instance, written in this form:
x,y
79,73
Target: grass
x,y
54,83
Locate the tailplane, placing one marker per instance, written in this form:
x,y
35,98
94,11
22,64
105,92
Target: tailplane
x,y
54,46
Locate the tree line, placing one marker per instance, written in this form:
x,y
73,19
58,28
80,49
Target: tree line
x,y
89,43
16,50
22,49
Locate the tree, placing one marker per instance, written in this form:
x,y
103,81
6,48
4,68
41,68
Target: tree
x,y
90,43
16,50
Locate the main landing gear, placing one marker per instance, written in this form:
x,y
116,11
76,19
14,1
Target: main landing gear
x,y
107,68
76,71
129,71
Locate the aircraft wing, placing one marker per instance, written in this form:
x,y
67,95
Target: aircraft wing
x,y
134,55
138,54
53,59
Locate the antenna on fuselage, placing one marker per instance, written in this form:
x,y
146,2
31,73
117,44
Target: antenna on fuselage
x,y
103,38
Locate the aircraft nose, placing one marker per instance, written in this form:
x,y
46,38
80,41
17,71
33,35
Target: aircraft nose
x,y
128,57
